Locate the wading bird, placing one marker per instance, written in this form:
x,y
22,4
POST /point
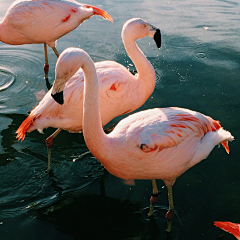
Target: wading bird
x,y
44,21
160,143
233,228
120,91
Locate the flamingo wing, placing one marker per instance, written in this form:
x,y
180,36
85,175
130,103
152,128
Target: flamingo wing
x,y
167,127
233,228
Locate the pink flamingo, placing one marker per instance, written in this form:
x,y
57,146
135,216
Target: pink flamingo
x,y
233,228
44,21
160,143
120,91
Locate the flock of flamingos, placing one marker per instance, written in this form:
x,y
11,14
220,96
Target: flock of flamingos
x,y
160,143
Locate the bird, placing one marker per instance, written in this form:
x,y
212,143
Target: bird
x,y
159,143
121,92
44,21
233,228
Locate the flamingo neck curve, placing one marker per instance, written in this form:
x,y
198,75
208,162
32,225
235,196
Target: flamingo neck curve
x,y
95,138
145,70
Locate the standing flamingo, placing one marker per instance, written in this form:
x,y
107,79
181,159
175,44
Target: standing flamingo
x,y
120,91
233,228
160,143
44,21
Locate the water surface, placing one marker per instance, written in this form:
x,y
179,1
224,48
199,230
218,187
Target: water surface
x,y
197,68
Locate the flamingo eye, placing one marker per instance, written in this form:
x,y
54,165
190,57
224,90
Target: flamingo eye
x,y
143,145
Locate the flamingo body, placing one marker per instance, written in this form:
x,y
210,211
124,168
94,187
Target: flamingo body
x,y
118,95
233,228
44,21
120,91
162,143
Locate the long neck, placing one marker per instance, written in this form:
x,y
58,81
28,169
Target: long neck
x,y
146,73
97,141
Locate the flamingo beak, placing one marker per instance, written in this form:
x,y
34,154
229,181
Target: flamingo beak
x,y
157,38
58,97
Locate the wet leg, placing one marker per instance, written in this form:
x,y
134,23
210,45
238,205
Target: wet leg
x,y
55,51
46,67
170,212
154,197
49,143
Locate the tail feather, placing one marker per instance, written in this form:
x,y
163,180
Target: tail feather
x,y
233,228
217,127
227,137
23,128
225,145
100,12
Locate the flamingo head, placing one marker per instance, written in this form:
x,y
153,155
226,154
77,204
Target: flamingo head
x,y
67,65
136,28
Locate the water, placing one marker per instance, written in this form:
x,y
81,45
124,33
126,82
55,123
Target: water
x,y
197,68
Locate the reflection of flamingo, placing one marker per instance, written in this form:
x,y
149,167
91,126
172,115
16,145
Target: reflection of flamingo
x,y
233,228
160,143
120,91
44,21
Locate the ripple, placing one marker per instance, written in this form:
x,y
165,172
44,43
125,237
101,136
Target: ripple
x,y
6,79
200,55
21,78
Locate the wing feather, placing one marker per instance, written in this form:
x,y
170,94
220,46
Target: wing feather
x,y
161,128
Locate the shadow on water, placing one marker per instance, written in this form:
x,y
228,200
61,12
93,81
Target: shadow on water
x,y
95,216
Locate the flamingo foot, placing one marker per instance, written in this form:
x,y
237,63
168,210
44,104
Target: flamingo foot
x,y
169,217
153,201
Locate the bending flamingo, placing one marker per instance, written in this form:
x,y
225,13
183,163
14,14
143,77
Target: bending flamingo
x,y
44,21
160,143
120,91
233,228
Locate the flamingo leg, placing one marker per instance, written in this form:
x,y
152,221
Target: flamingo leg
x,y
49,143
46,67
170,212
154,197
55,51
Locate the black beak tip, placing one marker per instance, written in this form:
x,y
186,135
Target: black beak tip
x,y
58,97
157,38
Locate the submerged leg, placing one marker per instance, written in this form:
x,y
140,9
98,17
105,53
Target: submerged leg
x,y
55,51
49,143
46,67
170,212
154,197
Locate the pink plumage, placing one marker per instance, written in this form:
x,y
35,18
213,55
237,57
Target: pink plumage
x,y
233,228
120,91
44,21
165,142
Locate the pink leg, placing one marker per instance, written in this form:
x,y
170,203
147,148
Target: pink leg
x,y
55,51
154,197
49,143
170,213
46,67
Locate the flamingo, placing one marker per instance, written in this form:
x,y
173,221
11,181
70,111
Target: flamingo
x,y
44,21
233,228
120,91
159,143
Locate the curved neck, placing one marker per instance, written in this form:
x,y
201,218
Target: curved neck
x,y
95,138
146,73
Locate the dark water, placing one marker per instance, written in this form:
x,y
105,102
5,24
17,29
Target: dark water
x,y
197,68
